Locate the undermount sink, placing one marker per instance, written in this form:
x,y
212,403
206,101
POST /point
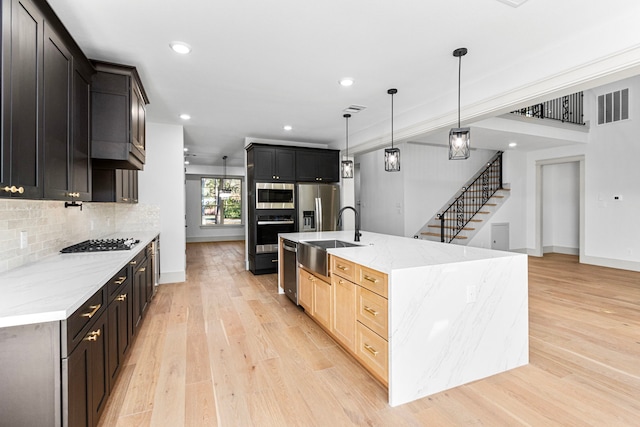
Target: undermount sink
x,y
330,244
313,254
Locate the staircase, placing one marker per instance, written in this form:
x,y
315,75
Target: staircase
x,y
470,208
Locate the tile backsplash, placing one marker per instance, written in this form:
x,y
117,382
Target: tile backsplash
x,y
49,226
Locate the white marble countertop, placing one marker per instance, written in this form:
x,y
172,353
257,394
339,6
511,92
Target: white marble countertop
x,y
53,288
387,253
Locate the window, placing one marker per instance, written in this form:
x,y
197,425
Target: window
x,y
613,107
221,201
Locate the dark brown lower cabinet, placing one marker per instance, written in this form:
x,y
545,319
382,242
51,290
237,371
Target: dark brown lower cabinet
x,y
87,377
120,331
140,279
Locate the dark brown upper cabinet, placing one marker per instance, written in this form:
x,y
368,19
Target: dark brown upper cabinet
x,y
67,166
272,163
45,106
22,97
314,165
118,103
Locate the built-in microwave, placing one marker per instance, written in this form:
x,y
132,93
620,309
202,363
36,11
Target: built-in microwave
x,y
270,195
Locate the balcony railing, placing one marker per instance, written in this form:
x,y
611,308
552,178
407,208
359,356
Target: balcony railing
x,y
567,109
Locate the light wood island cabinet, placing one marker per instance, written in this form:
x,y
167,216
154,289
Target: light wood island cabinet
x,y
314,294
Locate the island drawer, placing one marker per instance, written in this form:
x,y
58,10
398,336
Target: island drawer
x,y
343,268
373,352
372,311
373,280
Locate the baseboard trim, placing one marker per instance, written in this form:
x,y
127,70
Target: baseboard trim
x,y
206,239
611,263
172,277
560,250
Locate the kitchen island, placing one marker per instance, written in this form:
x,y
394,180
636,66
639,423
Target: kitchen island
x,y
455,314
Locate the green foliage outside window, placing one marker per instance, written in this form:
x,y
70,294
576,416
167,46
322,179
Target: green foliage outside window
x,y
221,201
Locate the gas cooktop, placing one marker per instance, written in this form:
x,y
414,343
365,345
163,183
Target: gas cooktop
x,y
101,245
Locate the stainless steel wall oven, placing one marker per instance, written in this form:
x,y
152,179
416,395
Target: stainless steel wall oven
x,y
268,227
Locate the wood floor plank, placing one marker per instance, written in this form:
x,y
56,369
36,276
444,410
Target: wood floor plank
x,y
224,349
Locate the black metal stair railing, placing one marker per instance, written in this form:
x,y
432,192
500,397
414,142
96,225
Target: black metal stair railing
x,y
472,199
567,109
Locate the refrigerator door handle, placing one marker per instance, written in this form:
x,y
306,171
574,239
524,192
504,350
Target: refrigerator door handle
x,y
319,225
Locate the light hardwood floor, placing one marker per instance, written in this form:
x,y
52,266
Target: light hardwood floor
x,y
225,349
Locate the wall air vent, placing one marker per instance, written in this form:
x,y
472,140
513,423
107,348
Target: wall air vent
x,y
513,3
613,107
354,108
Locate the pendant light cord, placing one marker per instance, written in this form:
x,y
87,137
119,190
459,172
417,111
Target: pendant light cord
x,y
392,120
459,72
347,136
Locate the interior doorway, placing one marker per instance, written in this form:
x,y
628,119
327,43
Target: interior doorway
x,y
560,206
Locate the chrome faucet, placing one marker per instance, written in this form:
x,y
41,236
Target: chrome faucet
x,y
358,234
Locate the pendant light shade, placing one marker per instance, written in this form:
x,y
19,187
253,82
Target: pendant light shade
x,y
392,155
347,165
459,138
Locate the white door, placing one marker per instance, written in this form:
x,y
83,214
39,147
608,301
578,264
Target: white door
x,y
500,236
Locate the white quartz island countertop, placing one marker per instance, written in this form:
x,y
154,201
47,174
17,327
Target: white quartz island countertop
x,y
456,314
54,287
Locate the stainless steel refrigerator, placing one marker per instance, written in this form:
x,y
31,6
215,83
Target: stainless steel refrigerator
x,y
317,207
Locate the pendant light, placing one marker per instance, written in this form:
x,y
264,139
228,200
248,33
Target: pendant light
x,y
459,137
392,155
224,194
347,165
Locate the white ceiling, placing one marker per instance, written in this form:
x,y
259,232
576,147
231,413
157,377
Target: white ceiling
x,y
257,65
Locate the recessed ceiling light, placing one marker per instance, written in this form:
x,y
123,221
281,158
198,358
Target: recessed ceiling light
x,y
513,144
186,162
186,149
346,82
180,47
185,116
287,127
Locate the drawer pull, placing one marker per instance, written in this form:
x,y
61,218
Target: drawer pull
x,y
120,280
370,279
311,278
133,262
341,281
121,297
94,308
370,349
274,260
370,310
93,336
143,269
13,189
342,267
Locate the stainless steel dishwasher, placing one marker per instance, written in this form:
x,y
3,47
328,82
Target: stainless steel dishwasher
x,y
290,270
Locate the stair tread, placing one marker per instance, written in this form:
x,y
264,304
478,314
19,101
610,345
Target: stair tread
x,y
480,212
428,233
451,227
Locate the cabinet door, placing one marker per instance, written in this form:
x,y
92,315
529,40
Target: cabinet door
x,y
344,311
264,163
88,378
306,166
328,165
80,139
119,331
57,116
305,290
137,121
285,164
22,70
322,302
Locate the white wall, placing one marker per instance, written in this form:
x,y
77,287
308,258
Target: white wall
x,y
381,194
400,203
162,184
560,208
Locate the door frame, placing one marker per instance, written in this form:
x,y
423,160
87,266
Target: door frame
x,y
538,249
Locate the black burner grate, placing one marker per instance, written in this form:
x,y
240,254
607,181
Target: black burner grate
x,y
101,245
